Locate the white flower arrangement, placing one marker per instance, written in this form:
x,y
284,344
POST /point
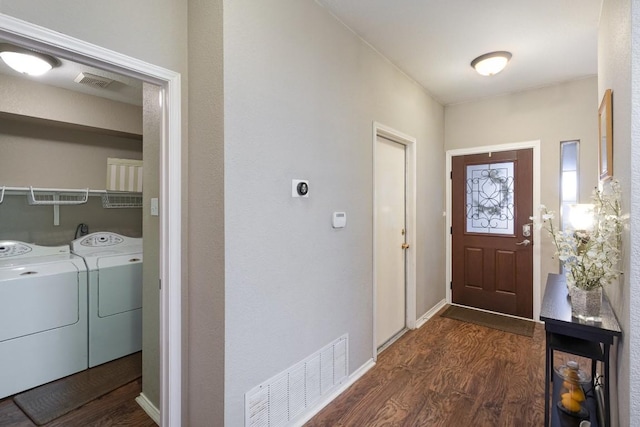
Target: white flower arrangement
x,y
591,257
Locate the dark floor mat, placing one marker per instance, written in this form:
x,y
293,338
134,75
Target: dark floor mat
x,y
52,400
490,320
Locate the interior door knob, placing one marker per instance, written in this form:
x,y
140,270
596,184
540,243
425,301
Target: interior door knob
x,y
405,246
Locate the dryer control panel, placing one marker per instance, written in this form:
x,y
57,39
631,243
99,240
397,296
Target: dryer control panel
x,y
19,250
8,249
96,240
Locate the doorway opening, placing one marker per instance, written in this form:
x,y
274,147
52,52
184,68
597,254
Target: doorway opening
x,y
59,45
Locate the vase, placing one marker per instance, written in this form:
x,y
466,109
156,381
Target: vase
x,y
586,304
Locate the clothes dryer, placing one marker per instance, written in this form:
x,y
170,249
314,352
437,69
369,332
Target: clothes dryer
x,y
43,315
114,266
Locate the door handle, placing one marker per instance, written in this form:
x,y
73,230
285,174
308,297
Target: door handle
x,y
405,246
525,242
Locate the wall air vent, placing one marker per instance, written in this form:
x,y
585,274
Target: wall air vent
x,y
93,80
286,398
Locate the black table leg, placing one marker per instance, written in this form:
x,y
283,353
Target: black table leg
x,y
607,407
547,378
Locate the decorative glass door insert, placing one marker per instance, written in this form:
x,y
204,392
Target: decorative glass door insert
x,y
490,198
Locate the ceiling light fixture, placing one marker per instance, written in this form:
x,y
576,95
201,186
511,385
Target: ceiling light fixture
x,y
491,63
27,61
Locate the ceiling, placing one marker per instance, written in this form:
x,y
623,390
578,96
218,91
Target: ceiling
x,y
122,89
434,41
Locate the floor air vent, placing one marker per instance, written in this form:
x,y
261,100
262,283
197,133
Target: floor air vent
x,y
285,397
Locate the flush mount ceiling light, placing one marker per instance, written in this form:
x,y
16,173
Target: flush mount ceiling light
x,y
27,61
491,63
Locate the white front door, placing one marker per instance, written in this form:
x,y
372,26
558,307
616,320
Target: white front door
x,y
390,175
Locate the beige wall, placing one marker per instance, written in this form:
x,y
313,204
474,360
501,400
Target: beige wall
x,y
41,155
204,344
552,114
152,127
154,31
301,94
24,97
615,73
633,329
34,224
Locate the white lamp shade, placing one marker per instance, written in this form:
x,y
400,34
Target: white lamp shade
x,y
581,217
491,63
27,63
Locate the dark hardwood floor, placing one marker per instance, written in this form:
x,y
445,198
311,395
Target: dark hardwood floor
x,y
449,373
117,408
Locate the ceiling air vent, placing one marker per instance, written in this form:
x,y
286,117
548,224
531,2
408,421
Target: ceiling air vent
x,y
93,80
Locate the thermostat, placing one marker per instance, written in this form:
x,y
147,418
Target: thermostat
x,y
339,219
299,188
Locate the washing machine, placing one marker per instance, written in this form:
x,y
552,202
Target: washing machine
x,y
114,277
43,315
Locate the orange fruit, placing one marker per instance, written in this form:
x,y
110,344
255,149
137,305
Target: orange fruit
x,y
577,394
569,403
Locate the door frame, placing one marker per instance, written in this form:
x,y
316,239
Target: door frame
x,y
535,145
410,234
63,46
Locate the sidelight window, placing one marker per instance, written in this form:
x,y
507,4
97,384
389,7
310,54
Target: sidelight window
x,y
568,179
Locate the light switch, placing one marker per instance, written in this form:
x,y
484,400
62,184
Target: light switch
x,y
154,206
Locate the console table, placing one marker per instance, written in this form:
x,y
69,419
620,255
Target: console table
x,y
571,335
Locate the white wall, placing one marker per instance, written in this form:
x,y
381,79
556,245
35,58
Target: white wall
x,y
551,114
614,72
301,94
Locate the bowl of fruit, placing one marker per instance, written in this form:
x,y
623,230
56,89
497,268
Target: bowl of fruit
x,y
572,396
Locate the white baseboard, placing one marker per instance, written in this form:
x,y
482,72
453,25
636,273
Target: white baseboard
x,y
328,398
429,314
149,408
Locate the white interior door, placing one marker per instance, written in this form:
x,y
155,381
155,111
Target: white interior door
x,y
390,175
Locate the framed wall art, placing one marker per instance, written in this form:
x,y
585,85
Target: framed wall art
x,y
605,133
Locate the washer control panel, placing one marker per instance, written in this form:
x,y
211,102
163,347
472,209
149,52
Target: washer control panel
x,y
9,249
98,240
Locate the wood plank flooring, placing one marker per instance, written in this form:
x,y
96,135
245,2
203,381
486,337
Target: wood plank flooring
x,y
448,373
117,408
